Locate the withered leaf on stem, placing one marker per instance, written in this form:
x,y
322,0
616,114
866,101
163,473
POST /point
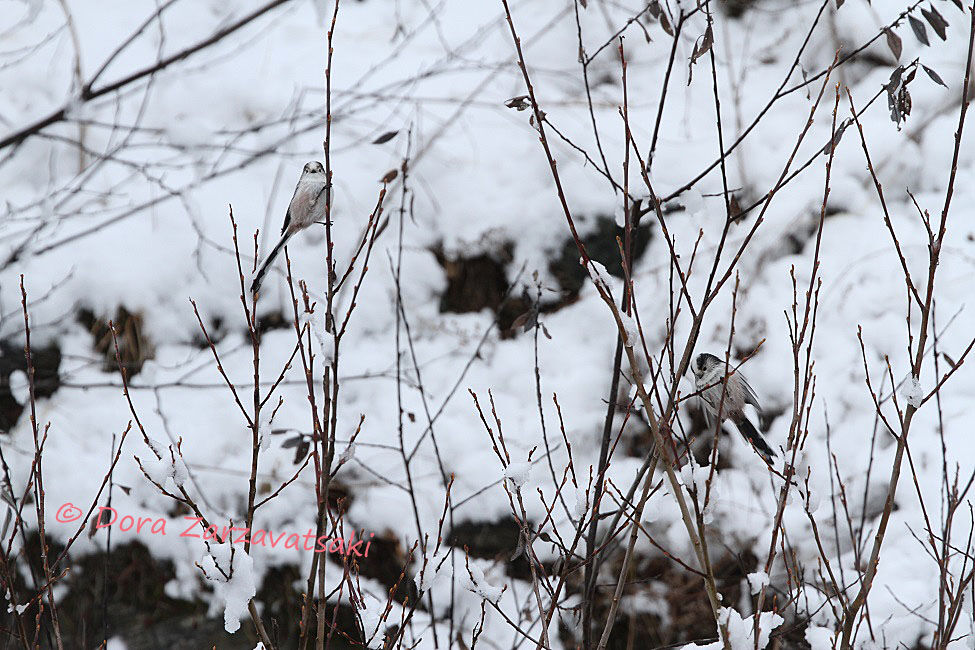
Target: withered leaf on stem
x,y
935,77
898,98
905,102
654,8
666,24
92,525
937,22
734,208
919,30
700,49
302,450
835,140
895,79
389,176
293,442
959,4
894,43
839,3
385,137
950,361
526,321
518,103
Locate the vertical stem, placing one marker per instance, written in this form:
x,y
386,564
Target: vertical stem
x,y
850,616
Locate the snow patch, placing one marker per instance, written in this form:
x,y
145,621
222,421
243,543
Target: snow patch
x,y
581,506
741,632
757,580
20,387
232,575
477,583
913,392
518,473
169,465
819,638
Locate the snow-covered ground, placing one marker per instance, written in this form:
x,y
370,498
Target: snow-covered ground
x,y
145,225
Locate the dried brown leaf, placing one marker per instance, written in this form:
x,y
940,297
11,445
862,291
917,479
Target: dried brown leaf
x,y
665,24
835,140
935,77
734,208
521,320
894,43
545,331
937,22
919,31
701,48
385,137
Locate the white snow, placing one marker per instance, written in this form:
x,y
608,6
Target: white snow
x,y
372,618
479,184
326,345
757,580
631,330
913,392
518,473
597,273
264,427
741,632
325,350
476,582
619,215
170,467
581,504
20,387
819,638
236,590
348,454
437,567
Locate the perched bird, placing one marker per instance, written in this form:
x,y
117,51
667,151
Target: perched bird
x,y
712,377
307,207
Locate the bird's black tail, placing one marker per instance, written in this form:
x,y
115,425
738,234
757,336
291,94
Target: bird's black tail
x,y
752,435
266,266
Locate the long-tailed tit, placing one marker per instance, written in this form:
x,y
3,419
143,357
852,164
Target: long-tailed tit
x,y
712,377
307,207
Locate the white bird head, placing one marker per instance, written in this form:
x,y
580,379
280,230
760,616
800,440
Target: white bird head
x,y
313,167
703,363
